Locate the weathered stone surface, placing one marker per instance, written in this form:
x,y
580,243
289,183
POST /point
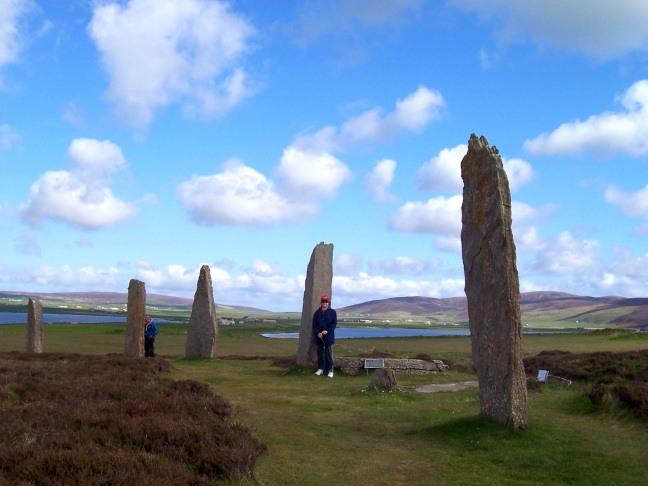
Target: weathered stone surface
x,y
134,342
202,333
352,365
319,281
384,379
492,286
35,332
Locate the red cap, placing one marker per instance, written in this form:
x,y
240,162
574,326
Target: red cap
x,y
325,298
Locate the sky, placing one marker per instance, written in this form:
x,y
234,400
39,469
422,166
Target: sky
x,y
142,139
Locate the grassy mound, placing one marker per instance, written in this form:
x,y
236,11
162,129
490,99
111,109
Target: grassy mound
x,y
75,419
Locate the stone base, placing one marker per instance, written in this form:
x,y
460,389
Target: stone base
x,y
351,365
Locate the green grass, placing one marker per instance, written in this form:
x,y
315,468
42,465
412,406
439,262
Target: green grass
x,y
339,431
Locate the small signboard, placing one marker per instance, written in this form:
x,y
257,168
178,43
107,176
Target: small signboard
x,y
374,363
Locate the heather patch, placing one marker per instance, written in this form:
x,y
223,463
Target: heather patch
x,y
75,419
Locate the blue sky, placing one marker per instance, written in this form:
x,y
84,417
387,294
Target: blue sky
x,y
145,138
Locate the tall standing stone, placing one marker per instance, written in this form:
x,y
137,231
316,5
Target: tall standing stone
x,y
319,281
134,342
203,326
35,333
492,285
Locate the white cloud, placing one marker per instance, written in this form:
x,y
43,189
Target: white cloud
x,y
94,157
378,181
630,203
438,215
413,114
260,286
566,254
610,132
263,269
173,277
9,137
159,52
443,172
63,277
518,172
80,197
602,30
401,265
11,40
239,195
311,174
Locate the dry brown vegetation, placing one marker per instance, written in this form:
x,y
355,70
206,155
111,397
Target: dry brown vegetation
x,y
623,375
75,419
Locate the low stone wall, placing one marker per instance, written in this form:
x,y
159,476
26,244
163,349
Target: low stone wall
x,y
355,366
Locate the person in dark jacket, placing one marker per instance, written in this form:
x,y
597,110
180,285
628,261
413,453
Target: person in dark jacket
x,y
150,331
324,324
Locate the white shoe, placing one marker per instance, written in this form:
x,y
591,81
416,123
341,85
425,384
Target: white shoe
x,y
330,375
319,372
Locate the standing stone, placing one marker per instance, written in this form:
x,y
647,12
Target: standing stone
x,y
319,281
35,332
203,326
134,343
492,286
384,379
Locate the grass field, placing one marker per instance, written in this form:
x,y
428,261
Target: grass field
x,y
340,431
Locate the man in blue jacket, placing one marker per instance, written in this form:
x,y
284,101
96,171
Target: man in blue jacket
x,y
324,324
150,331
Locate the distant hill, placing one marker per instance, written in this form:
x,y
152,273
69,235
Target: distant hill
x,y
116,298
629,312
615,310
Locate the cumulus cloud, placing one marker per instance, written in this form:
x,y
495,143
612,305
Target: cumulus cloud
x,y
630,203
159,52
174,277
378,181
259,286
624,131
307,172
443,172
413,113
239,195
439,215
311,174
80,197
602,30
9,137
263,269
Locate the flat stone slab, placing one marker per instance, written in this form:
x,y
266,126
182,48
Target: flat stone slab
x,y
447,387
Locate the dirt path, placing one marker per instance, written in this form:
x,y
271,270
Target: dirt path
x,y
447,387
